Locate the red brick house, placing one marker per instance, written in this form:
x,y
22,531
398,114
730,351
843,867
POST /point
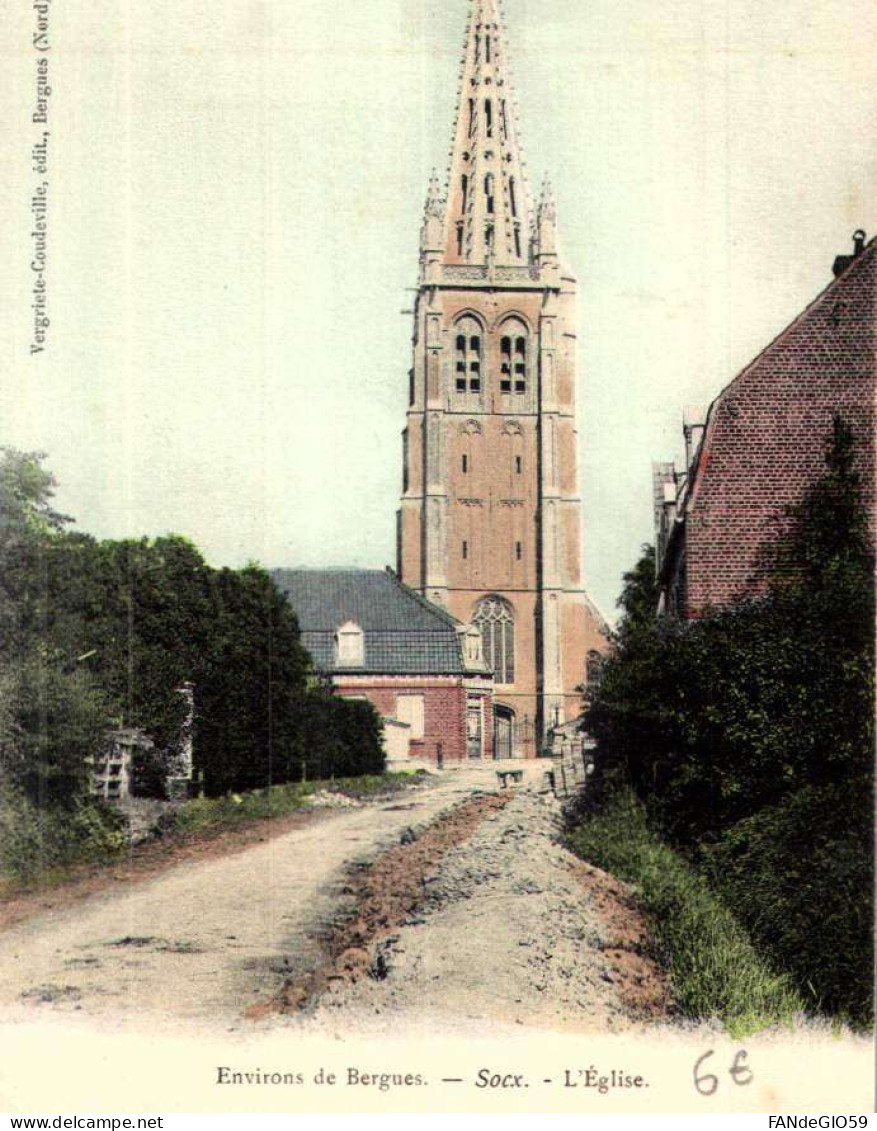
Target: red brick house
x,y
422,670
762,445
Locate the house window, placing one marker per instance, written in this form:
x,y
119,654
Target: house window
x,y
496,621
410,710
349,646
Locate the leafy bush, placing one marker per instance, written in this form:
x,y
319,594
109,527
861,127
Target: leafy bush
x,y
37,839
799,876
715,971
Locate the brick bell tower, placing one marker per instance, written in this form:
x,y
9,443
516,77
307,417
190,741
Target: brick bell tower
x,y
490,520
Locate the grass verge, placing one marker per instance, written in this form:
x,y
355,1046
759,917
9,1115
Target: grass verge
x,y
715,970
274,801
42,849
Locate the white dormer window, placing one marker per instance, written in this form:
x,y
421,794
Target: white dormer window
x,y
349,646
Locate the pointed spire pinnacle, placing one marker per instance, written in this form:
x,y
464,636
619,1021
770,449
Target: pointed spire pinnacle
x,y
488,201
435,204
432,233
546,225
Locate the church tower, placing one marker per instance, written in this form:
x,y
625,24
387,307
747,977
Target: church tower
x,y
490,518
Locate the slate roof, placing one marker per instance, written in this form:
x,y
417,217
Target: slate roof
x,y
403,633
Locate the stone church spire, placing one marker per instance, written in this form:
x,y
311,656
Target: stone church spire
x,y
488,211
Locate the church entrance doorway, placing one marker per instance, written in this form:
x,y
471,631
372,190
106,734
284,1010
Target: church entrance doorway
x,y
503,732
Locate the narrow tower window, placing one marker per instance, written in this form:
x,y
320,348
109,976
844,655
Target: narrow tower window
x,y
488,117
488,192
461,363
519,551
505,375
487,49
512,196
459,239
467,357
465,551
475,364
518,240
471,116
520,365
503,119
465,184
465,464
519,465
488,236
513,357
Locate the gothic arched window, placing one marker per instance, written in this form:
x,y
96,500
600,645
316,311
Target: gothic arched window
x,y
593,669
496,621
468,355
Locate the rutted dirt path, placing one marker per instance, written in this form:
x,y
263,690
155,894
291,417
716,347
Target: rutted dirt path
x,y
513,930
442,905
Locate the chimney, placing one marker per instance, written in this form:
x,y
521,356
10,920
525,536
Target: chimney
x,y
842,262
693,424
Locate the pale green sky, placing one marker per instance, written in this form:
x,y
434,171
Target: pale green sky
x,y
235,200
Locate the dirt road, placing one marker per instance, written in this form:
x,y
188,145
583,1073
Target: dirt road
x,y
512,929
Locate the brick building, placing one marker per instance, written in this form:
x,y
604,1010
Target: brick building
x,y
762,443
422,670
489,525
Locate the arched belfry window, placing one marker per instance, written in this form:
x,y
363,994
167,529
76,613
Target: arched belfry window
x,y
468,349
513,357
496,621
349,646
